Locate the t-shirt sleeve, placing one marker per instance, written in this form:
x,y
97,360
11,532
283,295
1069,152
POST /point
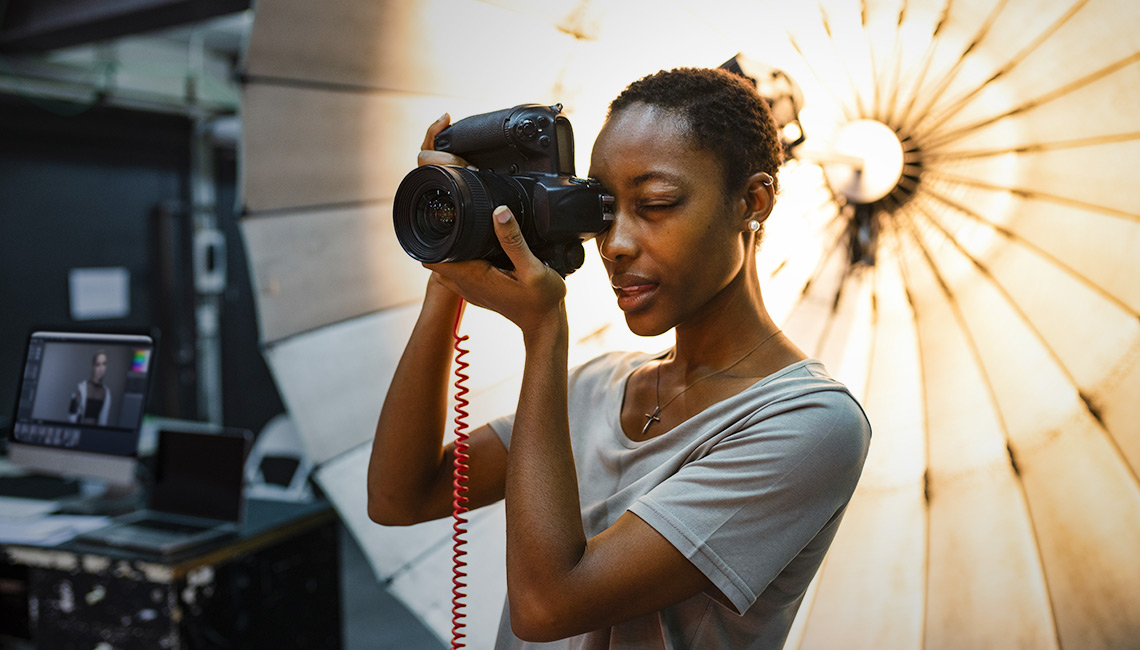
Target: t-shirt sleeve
x,y
745,509
502,427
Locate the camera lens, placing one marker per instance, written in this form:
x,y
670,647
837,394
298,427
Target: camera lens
x,y
443,213
435,214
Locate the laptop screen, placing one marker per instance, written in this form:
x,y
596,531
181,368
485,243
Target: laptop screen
x,y
200,474
83,391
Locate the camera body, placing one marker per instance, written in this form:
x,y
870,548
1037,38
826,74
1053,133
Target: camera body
x,y
525,160
526,139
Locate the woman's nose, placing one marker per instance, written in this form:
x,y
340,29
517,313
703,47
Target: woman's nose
x,y
618,240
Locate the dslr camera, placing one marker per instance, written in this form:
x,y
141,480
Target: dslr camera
x,y
525,160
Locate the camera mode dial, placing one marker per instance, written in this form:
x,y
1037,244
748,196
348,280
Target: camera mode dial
x,y
526,130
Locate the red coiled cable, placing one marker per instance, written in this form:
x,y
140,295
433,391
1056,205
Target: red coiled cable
x,y
458,509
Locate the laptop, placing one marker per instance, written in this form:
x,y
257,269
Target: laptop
x,y
196,497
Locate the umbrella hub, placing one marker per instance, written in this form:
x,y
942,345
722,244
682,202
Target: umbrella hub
x,y
866,161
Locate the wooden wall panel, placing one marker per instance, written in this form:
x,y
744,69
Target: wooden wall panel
x,y
388,548
415,561
333,380
311,148
434,47
321,267
426,586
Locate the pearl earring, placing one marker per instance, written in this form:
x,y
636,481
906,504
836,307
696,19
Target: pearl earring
x,y
753,225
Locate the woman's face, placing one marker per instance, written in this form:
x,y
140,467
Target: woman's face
x,y
99,367
676,241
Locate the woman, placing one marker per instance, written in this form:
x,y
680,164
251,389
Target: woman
x,y
91,401
682,500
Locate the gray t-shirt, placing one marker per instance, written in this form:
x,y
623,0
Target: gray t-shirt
x,y
751,490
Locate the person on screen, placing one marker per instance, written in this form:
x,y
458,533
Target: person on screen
x,y
683,499
91,401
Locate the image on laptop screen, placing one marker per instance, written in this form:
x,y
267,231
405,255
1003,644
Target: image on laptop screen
x,y
83,392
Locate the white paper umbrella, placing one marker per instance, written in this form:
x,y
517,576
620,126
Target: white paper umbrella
x,y
956,238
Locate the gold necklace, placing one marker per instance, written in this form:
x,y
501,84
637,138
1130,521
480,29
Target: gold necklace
x,y
650,418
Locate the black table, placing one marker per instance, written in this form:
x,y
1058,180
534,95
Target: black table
x,y
274,585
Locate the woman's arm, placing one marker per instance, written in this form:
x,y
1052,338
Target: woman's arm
x,y
410,472
105,412
558,582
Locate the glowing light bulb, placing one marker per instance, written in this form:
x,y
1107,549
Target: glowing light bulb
x,y
872,161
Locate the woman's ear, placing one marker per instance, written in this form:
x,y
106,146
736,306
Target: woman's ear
x,y
759,197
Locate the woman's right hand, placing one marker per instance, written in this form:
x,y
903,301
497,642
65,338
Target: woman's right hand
x,y
428,154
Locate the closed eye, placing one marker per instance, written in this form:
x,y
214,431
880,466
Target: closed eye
x,y
658,206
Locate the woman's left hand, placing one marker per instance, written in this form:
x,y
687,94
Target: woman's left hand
x,y
530,295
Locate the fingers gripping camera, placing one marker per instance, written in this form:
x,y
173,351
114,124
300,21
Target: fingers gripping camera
x,y
525,160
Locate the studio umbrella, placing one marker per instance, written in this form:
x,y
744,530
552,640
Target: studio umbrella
x,y
956,237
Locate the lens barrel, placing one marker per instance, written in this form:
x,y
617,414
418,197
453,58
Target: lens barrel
x,y
443,213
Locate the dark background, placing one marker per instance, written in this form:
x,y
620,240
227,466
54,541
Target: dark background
x,y
94,186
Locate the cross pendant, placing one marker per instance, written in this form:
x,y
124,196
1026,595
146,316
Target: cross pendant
x,y
649,420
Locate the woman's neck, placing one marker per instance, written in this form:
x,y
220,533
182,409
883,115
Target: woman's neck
x,y
733,322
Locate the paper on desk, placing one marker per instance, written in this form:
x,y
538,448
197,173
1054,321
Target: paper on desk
x,y
48,530
13,508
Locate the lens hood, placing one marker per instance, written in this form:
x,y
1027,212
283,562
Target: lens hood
x,y
425,199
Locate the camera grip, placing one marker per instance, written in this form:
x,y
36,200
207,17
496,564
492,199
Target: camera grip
x,y
478,133
529,138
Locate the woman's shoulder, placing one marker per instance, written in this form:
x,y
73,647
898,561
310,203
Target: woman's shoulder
x,y
806,395
611,365
808,377
801,397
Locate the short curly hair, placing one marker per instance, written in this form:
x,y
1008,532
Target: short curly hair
x,y
723,113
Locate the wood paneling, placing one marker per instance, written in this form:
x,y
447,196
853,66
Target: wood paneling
x,y
322,267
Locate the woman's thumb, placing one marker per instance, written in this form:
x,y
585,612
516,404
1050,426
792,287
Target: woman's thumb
x,y
511,237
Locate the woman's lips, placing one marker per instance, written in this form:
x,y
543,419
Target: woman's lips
x,y
632,290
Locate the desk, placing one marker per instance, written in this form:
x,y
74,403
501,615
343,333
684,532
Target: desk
x,y
275,585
